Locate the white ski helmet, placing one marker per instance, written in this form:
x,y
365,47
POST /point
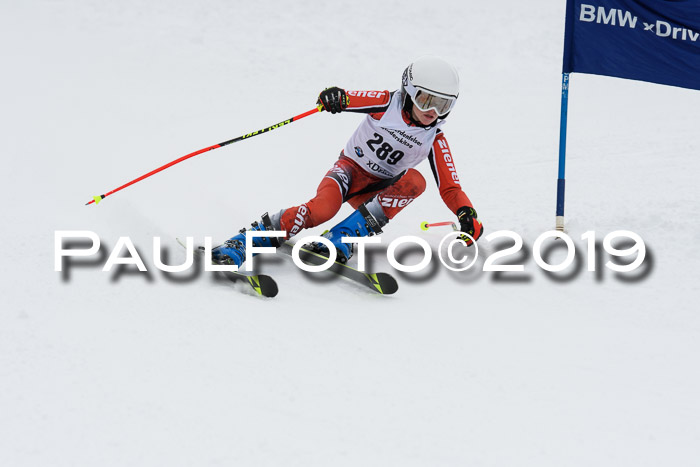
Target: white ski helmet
x,y
431,83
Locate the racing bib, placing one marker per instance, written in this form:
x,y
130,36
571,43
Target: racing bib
x,y
388,146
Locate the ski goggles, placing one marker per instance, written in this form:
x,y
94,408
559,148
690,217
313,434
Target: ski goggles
x,y
426,101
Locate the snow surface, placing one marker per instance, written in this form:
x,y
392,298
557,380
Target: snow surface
x,y
116,369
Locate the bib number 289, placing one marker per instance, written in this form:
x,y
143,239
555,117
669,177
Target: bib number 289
x,y
384,150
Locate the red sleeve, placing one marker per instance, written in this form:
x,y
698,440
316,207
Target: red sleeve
x,y
445,173
368,102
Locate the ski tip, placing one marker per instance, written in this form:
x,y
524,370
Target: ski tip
x,y
384,283
264,285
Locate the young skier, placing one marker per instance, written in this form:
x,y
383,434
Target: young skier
x,y
375,171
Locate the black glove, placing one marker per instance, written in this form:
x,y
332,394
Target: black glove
x,y
333,100
469,224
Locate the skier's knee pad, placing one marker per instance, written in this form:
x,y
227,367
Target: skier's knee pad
x,y
401,194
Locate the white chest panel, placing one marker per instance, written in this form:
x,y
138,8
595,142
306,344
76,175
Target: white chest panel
x,y
388,146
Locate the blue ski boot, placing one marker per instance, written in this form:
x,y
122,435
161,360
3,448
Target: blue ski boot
x,y
233,250
360,223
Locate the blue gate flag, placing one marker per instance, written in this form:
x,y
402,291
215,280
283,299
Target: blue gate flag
x,y
647,40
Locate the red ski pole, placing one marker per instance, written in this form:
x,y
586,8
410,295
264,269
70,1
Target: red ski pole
x,y
97,199
426,225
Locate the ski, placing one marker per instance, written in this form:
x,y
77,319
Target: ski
x,y
379,282
260,283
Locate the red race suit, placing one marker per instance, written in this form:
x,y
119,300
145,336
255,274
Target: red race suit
x,y
379,160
